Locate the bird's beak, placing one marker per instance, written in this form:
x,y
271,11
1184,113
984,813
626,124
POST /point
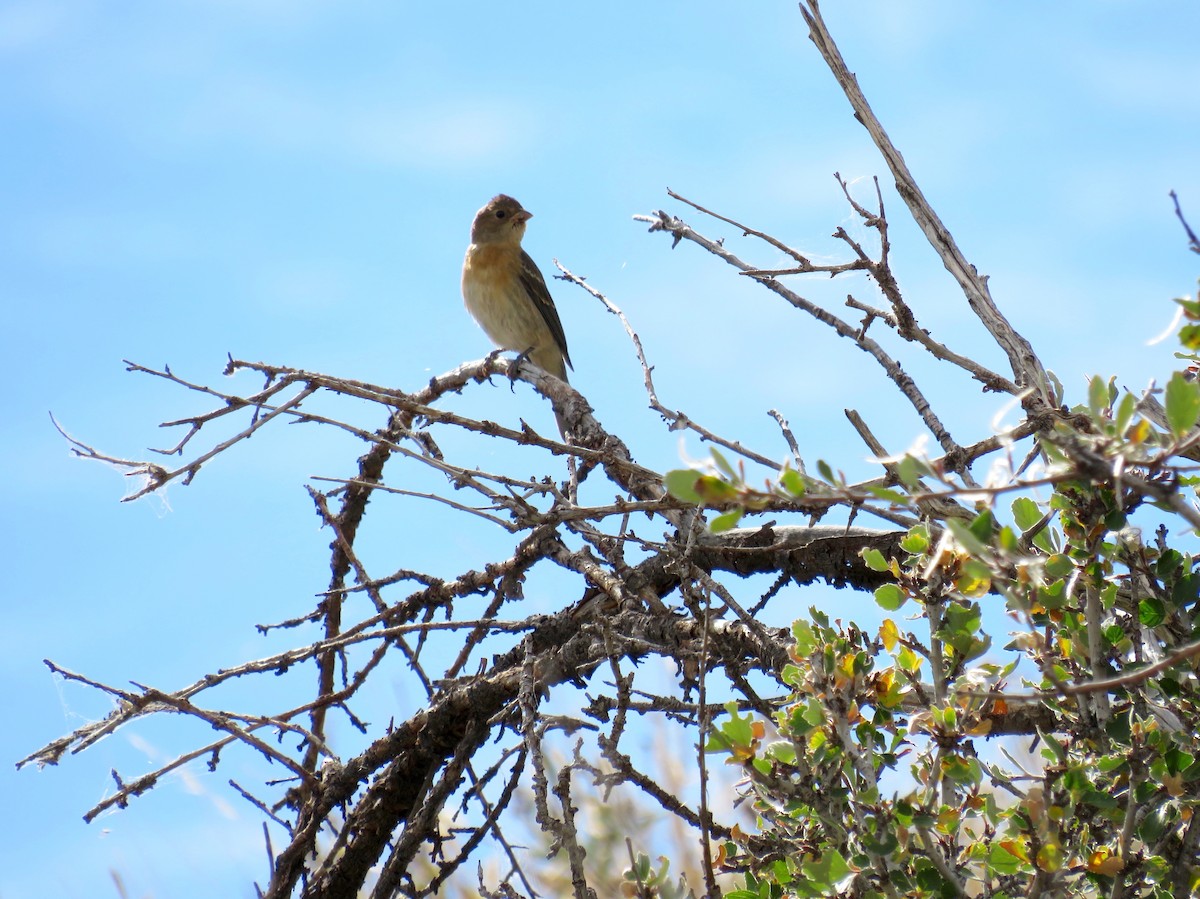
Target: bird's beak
x,y
523,216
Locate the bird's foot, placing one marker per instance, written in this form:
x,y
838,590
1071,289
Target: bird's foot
x,y
512,369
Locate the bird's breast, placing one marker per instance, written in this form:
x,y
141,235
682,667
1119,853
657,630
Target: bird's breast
x,y
495,297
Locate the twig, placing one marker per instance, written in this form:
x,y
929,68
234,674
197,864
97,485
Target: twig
x,y
677,419
680,230
790,437
1106,685
1027,368
1193,241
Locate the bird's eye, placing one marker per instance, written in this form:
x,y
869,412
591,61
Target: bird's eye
x,y
500,213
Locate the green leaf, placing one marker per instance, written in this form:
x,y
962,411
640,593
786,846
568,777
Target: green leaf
x,y
723,464
910,470
908,660
738,730
983,524
882,842
1125,412
1054,749
814,713
681,484
713,491
783,751
975,580
1189,336
961,617
1100,800
948,718
1191,308
1177,760
790,675
890,597
965,536
793,482
1151,612
1053,596
1186,590
1097,395
874,559
1059,565
1054,454
889,495
828,870
1108,596
916,540
1183,404
1003,862
806,640
826,471
725,521
1026,513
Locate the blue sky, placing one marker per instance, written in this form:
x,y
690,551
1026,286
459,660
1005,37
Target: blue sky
x,y
294,182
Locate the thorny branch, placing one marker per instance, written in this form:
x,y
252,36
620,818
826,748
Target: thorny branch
x,y
605,570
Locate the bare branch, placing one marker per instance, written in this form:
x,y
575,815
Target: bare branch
x,y
1027,368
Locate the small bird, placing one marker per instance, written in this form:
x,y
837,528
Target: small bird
x,y
505,292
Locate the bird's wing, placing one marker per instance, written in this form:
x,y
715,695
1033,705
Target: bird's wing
x,y
535,286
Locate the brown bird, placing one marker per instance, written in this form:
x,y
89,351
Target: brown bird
x,y
505,292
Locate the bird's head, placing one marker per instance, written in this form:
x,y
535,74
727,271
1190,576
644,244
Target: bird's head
x,y
502,220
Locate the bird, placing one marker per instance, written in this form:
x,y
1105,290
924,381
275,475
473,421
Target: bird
x,y
505,292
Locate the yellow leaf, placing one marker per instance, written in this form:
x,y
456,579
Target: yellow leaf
x,y
1138,432
1015,848
889,634
1049,858
980,728
1173,784
744,753
1035,804
973,587
909,660
947,820
1102,861
713,491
